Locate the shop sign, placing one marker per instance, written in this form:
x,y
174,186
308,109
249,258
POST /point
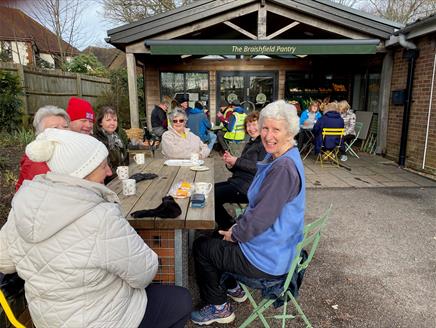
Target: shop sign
x,y
259,49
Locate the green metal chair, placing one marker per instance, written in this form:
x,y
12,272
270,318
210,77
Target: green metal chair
x,y
349,146
312,234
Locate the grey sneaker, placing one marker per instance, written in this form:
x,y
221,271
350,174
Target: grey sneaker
x,y
238,296
343,158
210,314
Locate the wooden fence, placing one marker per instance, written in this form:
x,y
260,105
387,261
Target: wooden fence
x,y
53,87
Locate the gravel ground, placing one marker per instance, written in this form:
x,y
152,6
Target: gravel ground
x,y
376,262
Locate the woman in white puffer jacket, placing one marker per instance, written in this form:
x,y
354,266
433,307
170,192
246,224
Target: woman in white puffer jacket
x,y
82,263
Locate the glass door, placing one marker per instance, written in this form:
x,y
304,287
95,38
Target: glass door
x,y
254,90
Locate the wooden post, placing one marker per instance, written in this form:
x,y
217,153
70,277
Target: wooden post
x,y
261,22
133,90
20,71
79,85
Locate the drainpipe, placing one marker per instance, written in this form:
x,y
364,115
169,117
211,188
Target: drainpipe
x,y
411,53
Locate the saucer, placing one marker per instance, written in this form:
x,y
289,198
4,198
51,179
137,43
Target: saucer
x,y
199,168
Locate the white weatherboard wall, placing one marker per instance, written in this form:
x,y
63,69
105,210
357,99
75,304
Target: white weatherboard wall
x,y
19,52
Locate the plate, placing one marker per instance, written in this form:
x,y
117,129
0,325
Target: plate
x,y
199,168
183,162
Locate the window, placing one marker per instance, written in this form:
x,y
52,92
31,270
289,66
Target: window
x,y
196,85
5,51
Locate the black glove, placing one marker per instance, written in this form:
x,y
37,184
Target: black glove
x,y
143,176
168,209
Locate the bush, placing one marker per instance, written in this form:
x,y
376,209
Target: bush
x,y
10,102
117,96
86,64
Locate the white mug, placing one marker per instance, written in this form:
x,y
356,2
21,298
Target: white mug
x,y
129,187
195,157
203,188
139,158
123,172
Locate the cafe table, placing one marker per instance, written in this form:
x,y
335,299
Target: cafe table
x,y
167,237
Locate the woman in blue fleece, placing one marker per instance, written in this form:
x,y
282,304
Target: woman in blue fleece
x,y
262,242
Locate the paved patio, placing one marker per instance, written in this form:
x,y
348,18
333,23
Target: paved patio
x,y
368,171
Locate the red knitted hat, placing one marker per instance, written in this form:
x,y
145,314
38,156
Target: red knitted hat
x,y
79,109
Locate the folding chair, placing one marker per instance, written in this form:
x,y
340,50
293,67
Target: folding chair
x,y
8,311
330,154
348,146
312,234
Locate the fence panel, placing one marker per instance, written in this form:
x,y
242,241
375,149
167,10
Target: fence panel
x,y
54,87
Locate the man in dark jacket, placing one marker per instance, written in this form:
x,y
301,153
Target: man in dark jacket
x,y
331,119
199,124
159,121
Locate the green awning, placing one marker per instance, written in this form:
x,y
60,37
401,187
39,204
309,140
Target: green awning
x,y
263,47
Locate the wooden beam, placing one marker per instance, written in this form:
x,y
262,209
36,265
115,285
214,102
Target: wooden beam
x,y
261,22
133,91
240,30
207,23
284,29
317,23
137,48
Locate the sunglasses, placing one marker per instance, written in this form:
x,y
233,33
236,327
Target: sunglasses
x,y
179,121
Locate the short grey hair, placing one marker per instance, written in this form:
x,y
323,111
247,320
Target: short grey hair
x,y
177,112
281,110
47,111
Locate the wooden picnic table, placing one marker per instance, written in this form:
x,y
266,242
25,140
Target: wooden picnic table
x,y
167,237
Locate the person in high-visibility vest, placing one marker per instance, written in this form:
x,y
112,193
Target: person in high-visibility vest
x,y
235,128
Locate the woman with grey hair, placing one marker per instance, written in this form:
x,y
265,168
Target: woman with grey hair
x,y
46,117
179,142
262,243
50,117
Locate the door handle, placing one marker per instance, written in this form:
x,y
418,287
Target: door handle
x,y
248,92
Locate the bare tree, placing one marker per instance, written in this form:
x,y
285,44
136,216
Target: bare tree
x,y
62,17
404,11
128,11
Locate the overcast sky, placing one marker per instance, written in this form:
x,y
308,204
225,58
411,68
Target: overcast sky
x,y
93,25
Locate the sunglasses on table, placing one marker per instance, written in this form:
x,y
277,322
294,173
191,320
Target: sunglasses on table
x,y
179,121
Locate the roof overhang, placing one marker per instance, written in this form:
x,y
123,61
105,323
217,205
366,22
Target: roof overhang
x,y
262,47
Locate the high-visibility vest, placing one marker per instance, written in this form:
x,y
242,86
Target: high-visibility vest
x,y
238,132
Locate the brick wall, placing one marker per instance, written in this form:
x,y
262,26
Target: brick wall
x,y
419,108
162,242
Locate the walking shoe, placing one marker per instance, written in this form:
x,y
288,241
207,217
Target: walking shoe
x,y
237,294
210,314
343,158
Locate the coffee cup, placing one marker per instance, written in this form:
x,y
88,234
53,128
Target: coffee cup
x,y
129,187
195,157
139,158
203,188
123,172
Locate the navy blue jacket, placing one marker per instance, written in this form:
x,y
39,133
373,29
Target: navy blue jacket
x,y
328,120
198,123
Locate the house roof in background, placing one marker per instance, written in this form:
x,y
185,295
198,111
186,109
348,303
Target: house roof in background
x,y
17,26
106,56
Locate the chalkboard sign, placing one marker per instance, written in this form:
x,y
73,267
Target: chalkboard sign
x,y
365,118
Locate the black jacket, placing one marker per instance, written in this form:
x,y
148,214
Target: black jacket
x,y
159,118
245,166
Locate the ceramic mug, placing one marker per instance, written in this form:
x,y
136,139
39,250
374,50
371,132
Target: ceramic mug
x,y
123,172
203,188
195,157
129,187
139,158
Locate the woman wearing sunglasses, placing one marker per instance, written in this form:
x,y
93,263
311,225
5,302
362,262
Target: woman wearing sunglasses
x,y
178,142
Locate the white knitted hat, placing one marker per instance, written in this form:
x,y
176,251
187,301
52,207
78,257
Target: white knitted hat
x,y
67,152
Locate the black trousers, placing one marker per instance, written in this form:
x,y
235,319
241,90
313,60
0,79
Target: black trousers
x,y
212,258
167,307
225,192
